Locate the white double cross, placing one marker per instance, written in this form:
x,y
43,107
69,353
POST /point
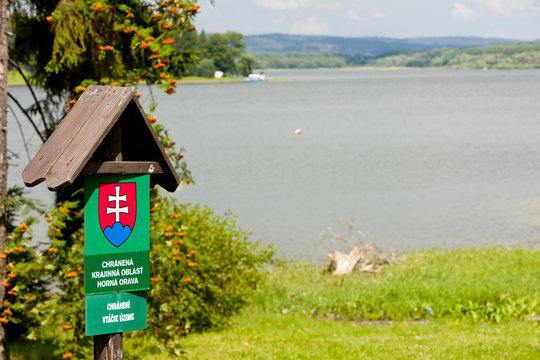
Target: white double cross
x,y
117,209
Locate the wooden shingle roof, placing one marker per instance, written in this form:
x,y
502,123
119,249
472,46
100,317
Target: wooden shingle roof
x,y
106,131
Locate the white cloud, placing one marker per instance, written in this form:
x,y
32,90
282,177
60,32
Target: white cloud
x,y
310,26
353,15
328,6
283,4
508,7
462,12
379,15
278,22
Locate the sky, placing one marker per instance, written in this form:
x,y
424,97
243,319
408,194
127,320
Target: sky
x,y
512,19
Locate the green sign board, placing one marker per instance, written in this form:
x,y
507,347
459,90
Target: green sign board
x,y
116,252
117,233
118,312
111,272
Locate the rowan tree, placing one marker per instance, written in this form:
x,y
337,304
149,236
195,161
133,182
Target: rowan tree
x,y
64,46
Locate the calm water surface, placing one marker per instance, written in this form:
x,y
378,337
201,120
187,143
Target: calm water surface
x,y
415,158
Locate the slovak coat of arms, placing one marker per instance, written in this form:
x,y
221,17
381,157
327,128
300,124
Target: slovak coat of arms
x,y
117,210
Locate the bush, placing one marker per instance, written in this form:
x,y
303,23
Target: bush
x,y
23,280
202,268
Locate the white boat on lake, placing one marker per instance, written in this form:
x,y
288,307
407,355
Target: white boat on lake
x,y
255,78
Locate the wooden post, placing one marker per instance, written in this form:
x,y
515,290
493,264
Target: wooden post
x,y
111,346
108,347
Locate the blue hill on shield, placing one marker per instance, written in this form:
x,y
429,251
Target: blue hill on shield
x,y
117,234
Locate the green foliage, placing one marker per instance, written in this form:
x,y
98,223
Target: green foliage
x,y
371,46
24,285
205,68
14,78
175,155
280,323
64,319
202,269
304,312
505,308
203,266
108,42
298,60
506,56
224,52
68,45
246,64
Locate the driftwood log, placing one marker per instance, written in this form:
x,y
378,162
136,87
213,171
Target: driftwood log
x,y
360,260
364,256
344,264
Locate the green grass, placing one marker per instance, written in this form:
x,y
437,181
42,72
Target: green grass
x,y
271,336
258,336
14,78
480,284
458,304
304,313
198,79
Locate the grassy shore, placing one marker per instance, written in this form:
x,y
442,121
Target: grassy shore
x,y
15,79
456,304
298,337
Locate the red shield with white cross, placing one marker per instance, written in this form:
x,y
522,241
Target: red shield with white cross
x,y
117,209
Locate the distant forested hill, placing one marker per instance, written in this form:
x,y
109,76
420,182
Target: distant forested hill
x,y
362,45
504,56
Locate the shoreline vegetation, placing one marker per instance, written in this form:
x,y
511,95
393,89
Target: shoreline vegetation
x,y
452,304
500,57
16,79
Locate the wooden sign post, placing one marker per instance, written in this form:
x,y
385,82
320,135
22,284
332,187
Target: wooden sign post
x,y
107,138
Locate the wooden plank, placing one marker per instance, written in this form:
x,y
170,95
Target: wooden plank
x,y
123,167
36,171
70,163
170,180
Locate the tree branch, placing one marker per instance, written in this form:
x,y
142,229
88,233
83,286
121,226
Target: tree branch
x,y
43,119
27,116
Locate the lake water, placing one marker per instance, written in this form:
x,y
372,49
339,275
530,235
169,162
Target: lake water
x,y
417,158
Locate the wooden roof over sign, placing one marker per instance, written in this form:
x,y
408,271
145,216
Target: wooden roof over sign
x,y
105,132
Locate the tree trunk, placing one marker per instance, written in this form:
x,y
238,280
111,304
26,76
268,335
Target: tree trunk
x,y
4,354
